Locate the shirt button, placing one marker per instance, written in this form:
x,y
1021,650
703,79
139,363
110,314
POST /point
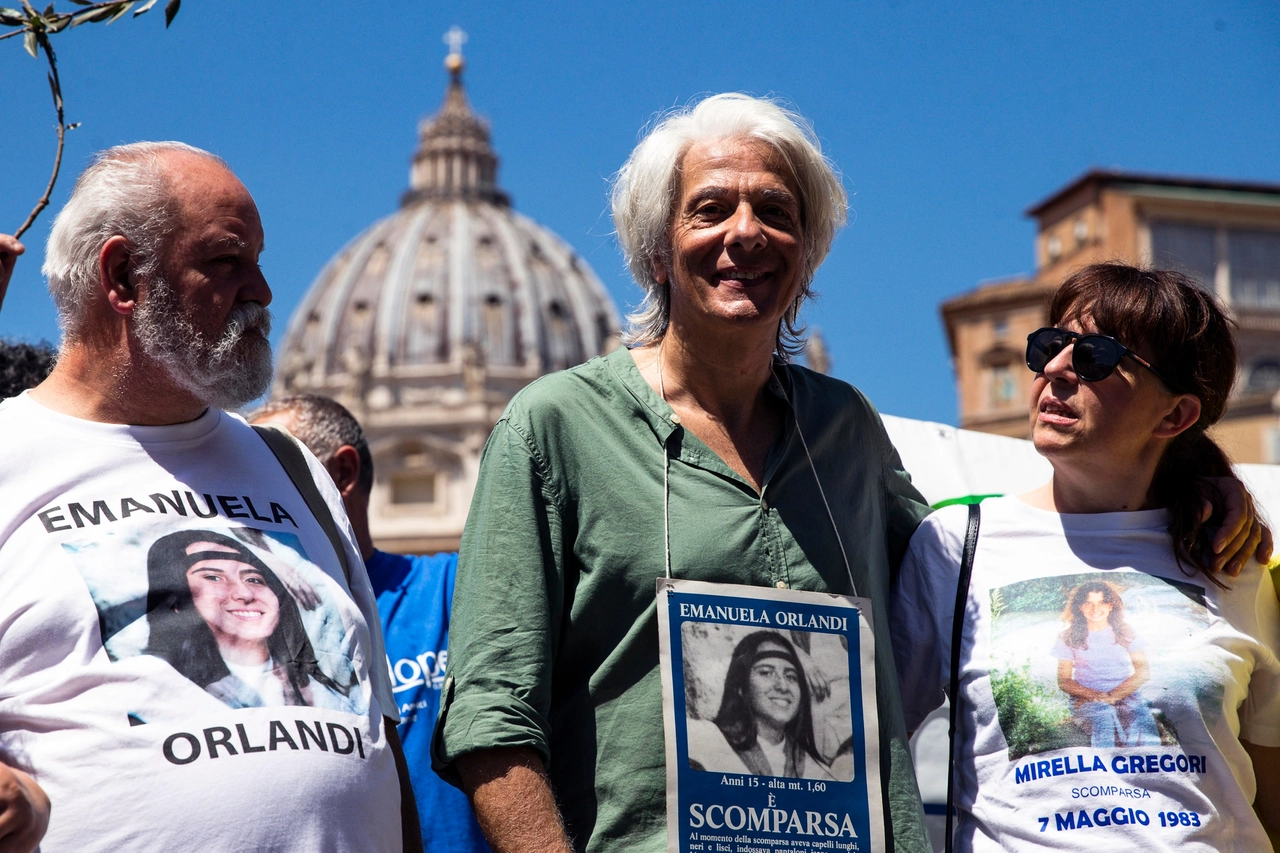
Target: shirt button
x,y
781,584
675,419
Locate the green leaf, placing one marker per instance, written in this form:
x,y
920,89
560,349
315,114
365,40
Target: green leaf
x,y
29,42
12,18
90,16
146,7
121,9
48,11
171,11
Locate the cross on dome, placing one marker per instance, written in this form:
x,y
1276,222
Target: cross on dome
x,y
455,38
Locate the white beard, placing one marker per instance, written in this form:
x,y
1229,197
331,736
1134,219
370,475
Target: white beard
x,y
225,373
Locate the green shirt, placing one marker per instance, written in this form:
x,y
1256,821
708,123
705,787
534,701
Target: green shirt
x,y
554,638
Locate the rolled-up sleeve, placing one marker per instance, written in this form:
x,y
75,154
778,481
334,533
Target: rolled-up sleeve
x,y
508,599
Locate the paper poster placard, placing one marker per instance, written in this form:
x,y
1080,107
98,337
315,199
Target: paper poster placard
x,y
769,709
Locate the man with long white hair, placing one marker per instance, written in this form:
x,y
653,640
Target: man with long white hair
x,y
153,267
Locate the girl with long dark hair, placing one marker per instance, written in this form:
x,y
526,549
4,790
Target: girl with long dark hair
x,y
224,620
765,716
1102,665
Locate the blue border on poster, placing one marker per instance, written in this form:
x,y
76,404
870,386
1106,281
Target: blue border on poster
x,y
761,814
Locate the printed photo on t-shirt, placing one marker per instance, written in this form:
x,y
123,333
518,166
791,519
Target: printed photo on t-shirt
x,y
241,613
1095,659
767,702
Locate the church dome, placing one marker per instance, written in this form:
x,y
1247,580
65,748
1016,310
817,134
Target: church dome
x,y
455,292
426,325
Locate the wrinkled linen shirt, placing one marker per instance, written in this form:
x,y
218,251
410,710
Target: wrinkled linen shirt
x,y
554,629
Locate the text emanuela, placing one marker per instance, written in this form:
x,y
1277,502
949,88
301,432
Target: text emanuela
x,y
760,616
774,821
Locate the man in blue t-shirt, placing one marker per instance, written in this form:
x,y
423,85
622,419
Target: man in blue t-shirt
x,y
415,595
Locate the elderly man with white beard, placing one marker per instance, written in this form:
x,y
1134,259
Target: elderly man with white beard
x,y
266,697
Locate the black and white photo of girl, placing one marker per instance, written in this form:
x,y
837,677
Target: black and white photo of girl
x,y
242,615
780,709
224,620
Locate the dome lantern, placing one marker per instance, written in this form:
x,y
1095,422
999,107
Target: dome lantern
x,y
454,157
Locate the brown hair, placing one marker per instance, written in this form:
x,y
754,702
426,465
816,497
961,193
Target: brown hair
x,y
1189,339
1077,634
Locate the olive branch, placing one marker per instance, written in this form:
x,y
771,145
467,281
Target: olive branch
x,y
35,29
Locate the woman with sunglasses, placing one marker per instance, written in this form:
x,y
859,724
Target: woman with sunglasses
x,y
1133,369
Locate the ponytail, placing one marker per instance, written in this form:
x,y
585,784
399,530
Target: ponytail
x,y
1183,486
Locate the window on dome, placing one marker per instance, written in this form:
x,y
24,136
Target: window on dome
x,y
496,339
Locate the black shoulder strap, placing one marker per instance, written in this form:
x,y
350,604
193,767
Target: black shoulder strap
x,y
957,635
287,451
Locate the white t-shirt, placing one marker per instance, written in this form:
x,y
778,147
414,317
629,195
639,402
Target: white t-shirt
x,y
1159,767
124,553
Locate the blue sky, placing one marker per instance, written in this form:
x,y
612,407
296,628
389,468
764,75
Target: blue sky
x,y
947,121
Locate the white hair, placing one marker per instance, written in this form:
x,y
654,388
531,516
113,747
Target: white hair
x,y
126,192
644,197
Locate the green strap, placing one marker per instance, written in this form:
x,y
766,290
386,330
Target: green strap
x,y
294,462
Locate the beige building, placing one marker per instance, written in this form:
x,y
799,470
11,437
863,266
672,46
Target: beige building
x,y
1225,234
427,323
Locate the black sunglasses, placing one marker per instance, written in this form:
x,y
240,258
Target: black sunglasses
x,y
1093,356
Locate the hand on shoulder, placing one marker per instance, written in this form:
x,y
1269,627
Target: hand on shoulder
x,y
24,811
10,248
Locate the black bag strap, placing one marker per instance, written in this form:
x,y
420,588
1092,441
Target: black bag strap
x,y
957,634
289,453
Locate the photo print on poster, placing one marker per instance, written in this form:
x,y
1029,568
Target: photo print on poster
x,y
241,614
769,719
1095,659
767,702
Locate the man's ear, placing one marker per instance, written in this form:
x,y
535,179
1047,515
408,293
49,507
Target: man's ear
x,y
115,268
344,467
660,272
1183,416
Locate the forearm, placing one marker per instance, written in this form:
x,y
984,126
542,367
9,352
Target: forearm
x,y
1075,689
1266,770
513,802
1127,688
24,811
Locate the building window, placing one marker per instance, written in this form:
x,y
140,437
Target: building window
x,y
413,487
1252,259
1000,327
1264,376
1004,387
1054,247
1186,248
1255,268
